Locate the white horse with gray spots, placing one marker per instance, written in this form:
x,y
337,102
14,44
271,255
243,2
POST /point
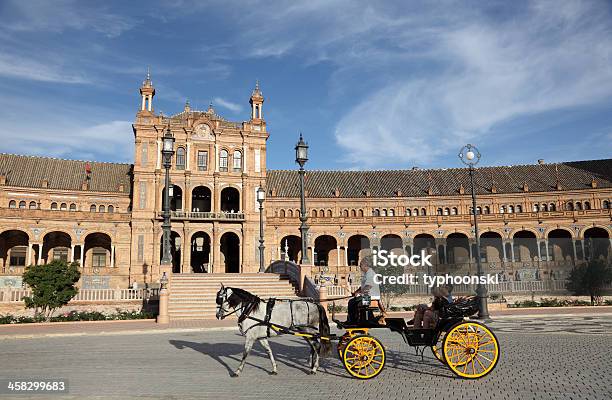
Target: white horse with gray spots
x,y
255,317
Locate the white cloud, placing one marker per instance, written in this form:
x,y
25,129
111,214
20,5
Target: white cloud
x,y
233,107
14,66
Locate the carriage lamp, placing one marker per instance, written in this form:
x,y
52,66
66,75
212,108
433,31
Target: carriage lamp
x,y
167,151
470,156
261,197
301,156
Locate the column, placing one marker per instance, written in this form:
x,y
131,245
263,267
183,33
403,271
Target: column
x,y
539,252
216,157
112,263
584,256
187,156
574,248
244,158
29,257
40,246
504,251
312,255
142,107
512,250
158,155
82,254
71,253
278,254
547,255
346,262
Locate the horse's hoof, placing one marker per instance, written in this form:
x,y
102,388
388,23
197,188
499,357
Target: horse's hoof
x,y
273,373
312,372
234,375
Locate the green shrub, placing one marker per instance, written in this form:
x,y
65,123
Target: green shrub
x,y
79,316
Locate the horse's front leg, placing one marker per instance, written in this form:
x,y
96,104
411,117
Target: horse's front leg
x,y
248,345
266,345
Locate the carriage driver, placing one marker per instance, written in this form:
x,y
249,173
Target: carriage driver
x,y
368,286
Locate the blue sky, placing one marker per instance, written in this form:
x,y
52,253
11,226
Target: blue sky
x,y
371,85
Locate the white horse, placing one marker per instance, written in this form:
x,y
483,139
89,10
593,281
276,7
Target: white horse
x,y
255,317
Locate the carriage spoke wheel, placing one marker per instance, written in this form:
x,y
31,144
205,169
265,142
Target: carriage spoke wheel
x,y
364,357
436,349
471,350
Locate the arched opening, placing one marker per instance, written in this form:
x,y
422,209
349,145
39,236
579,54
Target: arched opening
x,y
325,249
237,161
180,158
291,248
14,249
525,246
176,198
200,252
230,200
223,160
230,252
560,246
56,246
492,246
175,251
392,243
427,243
596,243
458,248
201,199
98,249
358,247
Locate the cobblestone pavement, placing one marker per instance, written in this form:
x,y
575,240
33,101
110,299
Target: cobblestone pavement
x,y
538,361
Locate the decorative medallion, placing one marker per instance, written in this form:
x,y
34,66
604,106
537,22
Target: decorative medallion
x,y
203,131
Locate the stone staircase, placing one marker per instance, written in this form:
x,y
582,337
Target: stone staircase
x,y
193,296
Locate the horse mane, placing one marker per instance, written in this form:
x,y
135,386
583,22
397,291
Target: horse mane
x,y
242,296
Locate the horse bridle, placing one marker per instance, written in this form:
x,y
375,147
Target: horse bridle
x,y
221,300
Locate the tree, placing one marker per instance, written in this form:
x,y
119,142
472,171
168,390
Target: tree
x,y
590,279
388,292
53,286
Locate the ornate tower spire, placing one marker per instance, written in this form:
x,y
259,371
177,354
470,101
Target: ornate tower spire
x,y
256,102
147,91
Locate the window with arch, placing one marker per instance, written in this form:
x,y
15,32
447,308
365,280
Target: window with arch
x,y
605,205
22,204
423,211
408,212
510,209
314,213
33,205
111,209
391,212
281,213
376,212
54,206
416,212
439,211
223,160
63,206
552,207
72,207
519,208
13,204
544,207
180,158
101,208
353,213
329,213
454,211
446,211
345,213
290,213
237,160
487,210
587,205
569,206
92,208
536,208
360,212
578,205
383,212
502,209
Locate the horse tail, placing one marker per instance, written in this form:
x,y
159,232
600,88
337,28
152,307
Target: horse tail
x,y
324,331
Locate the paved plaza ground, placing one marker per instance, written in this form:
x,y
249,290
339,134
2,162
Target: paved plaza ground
x,y
544,357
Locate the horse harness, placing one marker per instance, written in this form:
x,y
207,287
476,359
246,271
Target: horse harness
x,y
266,321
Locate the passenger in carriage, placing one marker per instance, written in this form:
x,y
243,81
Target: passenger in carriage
x,y
426,316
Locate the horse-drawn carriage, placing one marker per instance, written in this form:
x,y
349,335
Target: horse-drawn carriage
x,y
467,347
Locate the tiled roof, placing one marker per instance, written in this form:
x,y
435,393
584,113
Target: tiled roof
x,y
443,182
30,171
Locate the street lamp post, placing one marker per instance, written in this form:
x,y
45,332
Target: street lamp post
x,y
301,156
167,152
261,196
470,156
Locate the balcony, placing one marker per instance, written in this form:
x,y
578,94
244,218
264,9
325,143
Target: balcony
x,y
64,215
204,216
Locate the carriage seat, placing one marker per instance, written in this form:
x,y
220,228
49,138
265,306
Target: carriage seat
x,y
376,306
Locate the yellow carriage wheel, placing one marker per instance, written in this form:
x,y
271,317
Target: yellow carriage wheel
x,y
364,357
471,350
436,349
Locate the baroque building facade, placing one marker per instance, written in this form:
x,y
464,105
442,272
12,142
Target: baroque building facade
x,y
536,221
